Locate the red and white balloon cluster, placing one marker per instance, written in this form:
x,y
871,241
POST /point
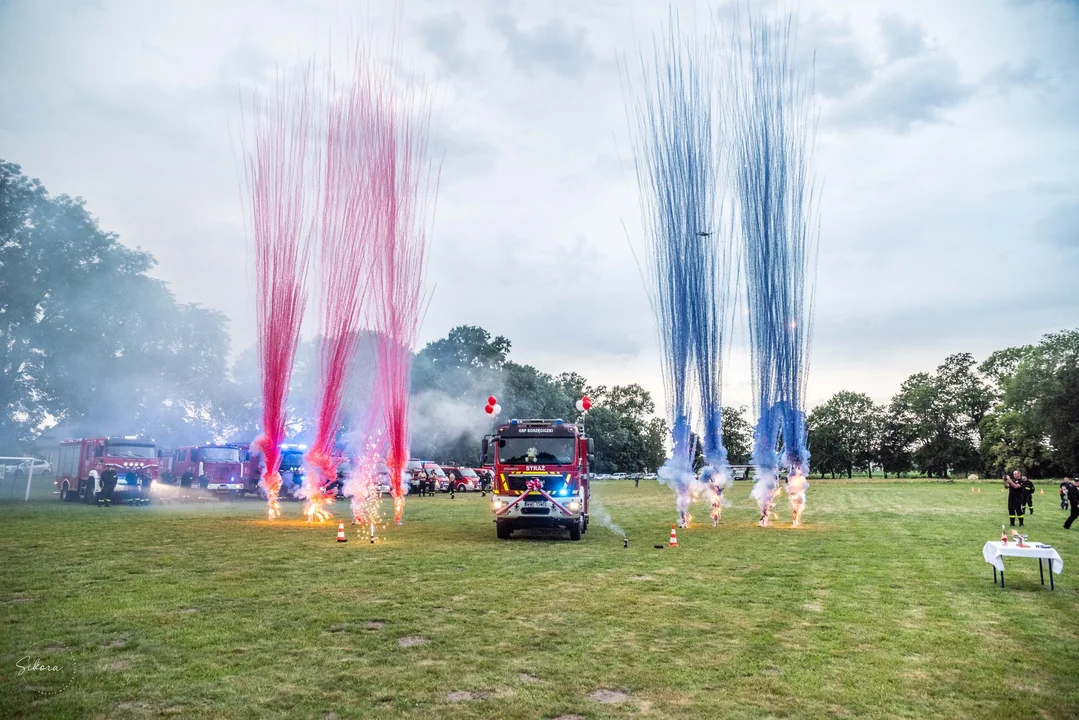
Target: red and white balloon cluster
x,y
584,404
493,408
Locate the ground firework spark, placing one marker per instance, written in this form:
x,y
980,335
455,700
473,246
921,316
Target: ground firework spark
x,y
679,158
279,164
773,120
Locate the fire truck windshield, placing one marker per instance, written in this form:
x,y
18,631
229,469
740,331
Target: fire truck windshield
x,y
291,459
545,451
219,454
129,450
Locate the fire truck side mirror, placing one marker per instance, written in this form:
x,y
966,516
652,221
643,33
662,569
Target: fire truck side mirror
x,y
484,447
591,448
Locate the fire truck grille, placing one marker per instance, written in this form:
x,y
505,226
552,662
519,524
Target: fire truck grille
x,y
535,511
551,483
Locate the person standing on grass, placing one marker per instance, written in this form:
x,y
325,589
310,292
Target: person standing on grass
x,y
1014,485
1072,490
1028,492
1064,493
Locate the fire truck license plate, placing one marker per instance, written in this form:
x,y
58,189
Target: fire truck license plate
x,y
535,503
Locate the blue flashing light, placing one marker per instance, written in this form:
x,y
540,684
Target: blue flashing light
x,y
558,421
513,422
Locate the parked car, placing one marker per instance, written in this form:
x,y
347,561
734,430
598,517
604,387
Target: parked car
x,y
22,469
462,479
619,476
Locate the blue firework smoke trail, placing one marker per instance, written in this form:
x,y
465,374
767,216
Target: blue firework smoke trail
x,y
773,120
678,160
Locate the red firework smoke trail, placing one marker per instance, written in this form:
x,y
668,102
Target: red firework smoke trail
x,y
406,187
277,169
347,224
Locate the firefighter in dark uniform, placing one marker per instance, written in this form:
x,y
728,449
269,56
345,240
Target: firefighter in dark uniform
x,y
1016,496
108,484
1072,491
1028,494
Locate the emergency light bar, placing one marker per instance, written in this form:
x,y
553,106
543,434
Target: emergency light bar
x,y
558,421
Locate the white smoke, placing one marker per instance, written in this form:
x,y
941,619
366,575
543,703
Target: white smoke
x,y
598,513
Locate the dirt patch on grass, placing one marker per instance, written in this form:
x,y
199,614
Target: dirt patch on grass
x,y
20,600
527,677
813,607
115,643
339,627
569,717
608,697
118,665
374,624
412,641
641,578
465,696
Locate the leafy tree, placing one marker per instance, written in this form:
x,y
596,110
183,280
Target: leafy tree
x,y
737,435
1062,415
89,340
943,412
1031,424
844,428
894,439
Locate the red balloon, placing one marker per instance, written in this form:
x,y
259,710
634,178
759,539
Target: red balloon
x,y
492,401
490,409
586,402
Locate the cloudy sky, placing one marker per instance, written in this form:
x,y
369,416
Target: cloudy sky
x,y
948,144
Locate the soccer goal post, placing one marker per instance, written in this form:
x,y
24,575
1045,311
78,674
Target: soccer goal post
x,y
7,467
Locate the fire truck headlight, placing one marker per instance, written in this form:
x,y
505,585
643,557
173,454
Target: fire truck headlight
x,y
574,506
497,504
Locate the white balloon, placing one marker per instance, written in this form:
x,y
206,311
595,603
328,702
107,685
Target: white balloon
x,y
580,406
498,408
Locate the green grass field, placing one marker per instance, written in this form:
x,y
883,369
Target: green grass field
x,y
881,607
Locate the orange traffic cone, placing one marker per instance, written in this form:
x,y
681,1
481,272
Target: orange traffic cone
x,y
341,533
674,537
971,489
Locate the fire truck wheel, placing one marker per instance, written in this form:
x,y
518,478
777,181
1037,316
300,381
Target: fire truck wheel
x,y
503,529
66,495
584,528
462,487
575,531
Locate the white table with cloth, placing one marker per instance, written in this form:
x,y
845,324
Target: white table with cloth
x,y
995,552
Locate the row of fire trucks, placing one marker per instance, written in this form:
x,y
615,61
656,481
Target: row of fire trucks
x,y
129,467
540,472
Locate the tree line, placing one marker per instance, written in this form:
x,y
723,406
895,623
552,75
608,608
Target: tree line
x,y
1018,409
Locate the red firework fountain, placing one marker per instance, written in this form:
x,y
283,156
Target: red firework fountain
x,y
406,185
278,169
347,225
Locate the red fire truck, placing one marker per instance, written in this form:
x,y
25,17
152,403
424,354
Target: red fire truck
x,y
215,468
84,467
540,476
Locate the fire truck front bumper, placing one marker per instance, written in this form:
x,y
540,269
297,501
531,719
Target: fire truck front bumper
x,y
225,486
534,510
